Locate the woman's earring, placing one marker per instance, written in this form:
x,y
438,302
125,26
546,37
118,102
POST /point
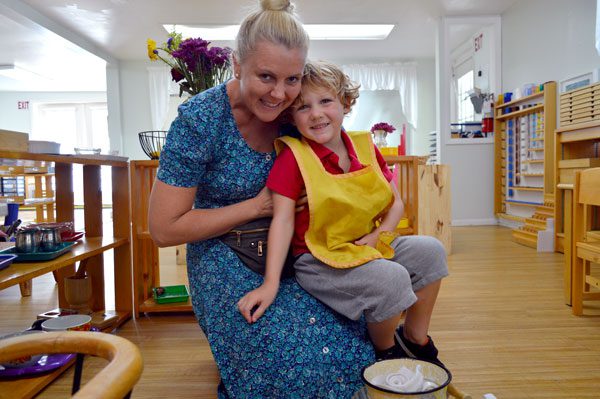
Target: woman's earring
x,y
237,75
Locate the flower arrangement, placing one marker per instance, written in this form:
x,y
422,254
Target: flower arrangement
x,y
194,65
386,127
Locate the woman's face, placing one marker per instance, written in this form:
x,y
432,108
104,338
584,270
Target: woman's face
x,y
270,79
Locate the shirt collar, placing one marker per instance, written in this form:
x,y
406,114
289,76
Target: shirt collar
x,y
323,152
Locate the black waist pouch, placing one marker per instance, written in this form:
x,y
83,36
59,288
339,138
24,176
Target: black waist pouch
x,y
249,242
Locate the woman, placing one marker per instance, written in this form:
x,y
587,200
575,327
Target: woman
x,y
217,157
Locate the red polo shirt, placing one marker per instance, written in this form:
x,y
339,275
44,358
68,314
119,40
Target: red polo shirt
x,y
286,179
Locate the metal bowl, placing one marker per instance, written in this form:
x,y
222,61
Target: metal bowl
x,y
28,240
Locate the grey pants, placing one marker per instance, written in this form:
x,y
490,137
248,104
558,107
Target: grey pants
x,y
380,288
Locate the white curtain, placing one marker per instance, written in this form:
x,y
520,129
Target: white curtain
x,y
159,80
396,76
598,26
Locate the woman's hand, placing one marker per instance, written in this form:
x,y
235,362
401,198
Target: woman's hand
x,y
301,201
260,298
369,239
264,201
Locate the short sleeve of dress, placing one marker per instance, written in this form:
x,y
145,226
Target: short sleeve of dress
x,y
285,177
187,151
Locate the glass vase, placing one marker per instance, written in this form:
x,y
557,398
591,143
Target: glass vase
x,y
379,138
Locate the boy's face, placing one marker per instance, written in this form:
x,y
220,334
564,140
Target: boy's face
x,y
319,115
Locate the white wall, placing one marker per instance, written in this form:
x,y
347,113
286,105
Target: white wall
x,y
426,104
12,118
545,40
135,106
472,164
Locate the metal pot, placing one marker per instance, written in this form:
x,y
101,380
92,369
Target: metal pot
x,y
50,239
28,240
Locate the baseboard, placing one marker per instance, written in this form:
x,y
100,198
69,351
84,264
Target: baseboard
x,y
475,222
511,224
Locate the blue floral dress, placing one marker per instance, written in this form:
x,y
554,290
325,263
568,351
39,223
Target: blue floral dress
x,y
300,348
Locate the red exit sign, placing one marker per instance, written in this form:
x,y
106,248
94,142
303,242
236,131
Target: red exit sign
x,y
23,104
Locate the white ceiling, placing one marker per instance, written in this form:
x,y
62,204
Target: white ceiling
x,y
118,29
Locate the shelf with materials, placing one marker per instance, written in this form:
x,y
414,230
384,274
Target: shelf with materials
x,y
32,181
96,243
524,159
146,263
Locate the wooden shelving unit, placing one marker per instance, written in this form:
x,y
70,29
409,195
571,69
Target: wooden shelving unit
x,y
146,264
524,162
95,242
20,178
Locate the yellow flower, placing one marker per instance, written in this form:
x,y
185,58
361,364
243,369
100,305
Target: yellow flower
x,y
151,50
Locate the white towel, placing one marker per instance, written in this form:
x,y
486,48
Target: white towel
x,y
405,380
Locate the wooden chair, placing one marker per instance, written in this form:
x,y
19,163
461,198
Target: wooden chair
x,y
115,380
586,237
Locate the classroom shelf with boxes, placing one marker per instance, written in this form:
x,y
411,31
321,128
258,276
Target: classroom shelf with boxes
x,y
524,161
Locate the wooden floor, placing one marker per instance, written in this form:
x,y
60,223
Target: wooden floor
x,y
500,324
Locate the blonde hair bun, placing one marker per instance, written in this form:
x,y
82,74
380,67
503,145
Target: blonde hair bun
x,y
277,5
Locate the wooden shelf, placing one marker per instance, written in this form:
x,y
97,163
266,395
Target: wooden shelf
x,y
521,100
528,188
521,112
530,174
523,203
21,272
150,306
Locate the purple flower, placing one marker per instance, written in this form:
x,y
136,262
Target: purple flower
x,y
169,43
191,51
383,126
176,75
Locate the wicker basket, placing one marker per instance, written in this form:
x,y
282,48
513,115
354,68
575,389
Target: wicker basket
x,y
152,142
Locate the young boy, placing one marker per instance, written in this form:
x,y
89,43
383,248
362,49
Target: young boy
x,y
343,257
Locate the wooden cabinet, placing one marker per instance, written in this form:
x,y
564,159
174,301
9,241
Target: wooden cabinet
x,y
97,239
577,148
524,163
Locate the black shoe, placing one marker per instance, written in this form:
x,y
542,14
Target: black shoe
x,y
395,352
426,352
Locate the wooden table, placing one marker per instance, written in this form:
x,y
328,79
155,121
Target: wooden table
x,y
90,249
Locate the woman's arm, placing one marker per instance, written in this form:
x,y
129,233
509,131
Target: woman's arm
x,y
172,220
280,237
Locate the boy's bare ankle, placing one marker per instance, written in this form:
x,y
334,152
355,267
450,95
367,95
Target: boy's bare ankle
x,y
415,339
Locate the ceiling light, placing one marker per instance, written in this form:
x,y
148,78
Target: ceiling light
x,y
18,73
315,31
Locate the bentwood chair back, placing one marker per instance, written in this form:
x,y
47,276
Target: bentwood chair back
x,y
586,238
115,380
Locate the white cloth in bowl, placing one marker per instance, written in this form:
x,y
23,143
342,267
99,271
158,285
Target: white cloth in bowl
x,y
404,381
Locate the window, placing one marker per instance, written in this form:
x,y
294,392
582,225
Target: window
x,y
75,125
465,111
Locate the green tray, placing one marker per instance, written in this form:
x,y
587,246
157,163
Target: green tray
x,y
38,256
172,294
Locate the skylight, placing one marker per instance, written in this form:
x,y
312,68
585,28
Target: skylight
x,y
315,31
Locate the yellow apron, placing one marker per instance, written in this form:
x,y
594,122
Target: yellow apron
x,y
343,207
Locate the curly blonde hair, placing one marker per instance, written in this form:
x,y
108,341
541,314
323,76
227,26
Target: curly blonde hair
x,y
324,74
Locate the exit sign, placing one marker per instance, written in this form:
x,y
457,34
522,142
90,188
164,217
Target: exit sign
x,y
23,104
